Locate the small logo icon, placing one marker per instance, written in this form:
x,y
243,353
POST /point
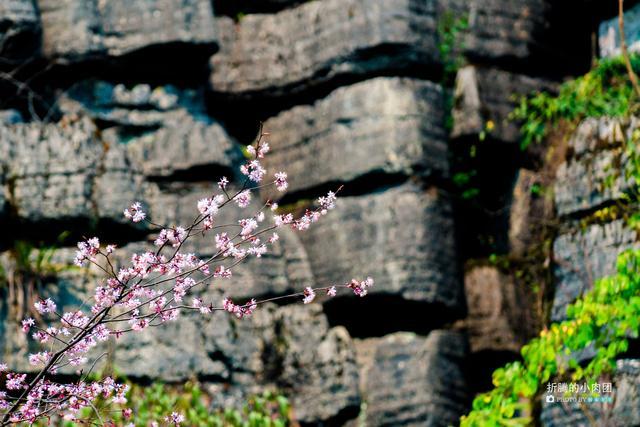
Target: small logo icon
x,y
549,398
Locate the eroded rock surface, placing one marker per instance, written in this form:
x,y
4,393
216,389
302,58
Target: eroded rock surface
x,y
409,380
403,237
93,29
381,126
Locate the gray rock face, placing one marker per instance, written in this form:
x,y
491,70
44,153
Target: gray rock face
x,y
319,365
383,125
302,47
322,40
166,130
495,321
51,169
65,171
19,29
503,31
402,237
529,210
484,98
583,257
414,381
91,28
594,172
623,412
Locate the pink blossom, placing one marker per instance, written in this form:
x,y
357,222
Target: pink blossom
x,y
223,183
27,324
309,295
361,288
15,381
135,212
174,236
87,251
39,358
243,199
280,220
248,226
175,418
222,272
254,170
210,206
281,181
332,291
327,203
139,324
45,306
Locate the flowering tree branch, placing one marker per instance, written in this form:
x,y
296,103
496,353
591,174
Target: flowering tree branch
x,y
155,288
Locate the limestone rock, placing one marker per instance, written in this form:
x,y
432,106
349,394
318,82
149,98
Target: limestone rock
x,y
414,381
90,29
585,256
484,98
319,365
383,125
594,171
402,237
19,29
166,130
529,209
52,168
500,31
496,319
319,41
66,171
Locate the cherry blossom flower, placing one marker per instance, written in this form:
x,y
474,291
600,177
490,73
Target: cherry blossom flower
x,y
135,212
243,199
309,295
332,291
45,306
223,183
281,181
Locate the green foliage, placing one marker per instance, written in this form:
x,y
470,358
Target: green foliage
x,y
155,402
464,181
450,30
603,91
603,319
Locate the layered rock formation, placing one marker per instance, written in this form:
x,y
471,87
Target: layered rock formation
x,y
353,98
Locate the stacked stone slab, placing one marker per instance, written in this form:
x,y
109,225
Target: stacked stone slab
x,y
413,380
92,29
